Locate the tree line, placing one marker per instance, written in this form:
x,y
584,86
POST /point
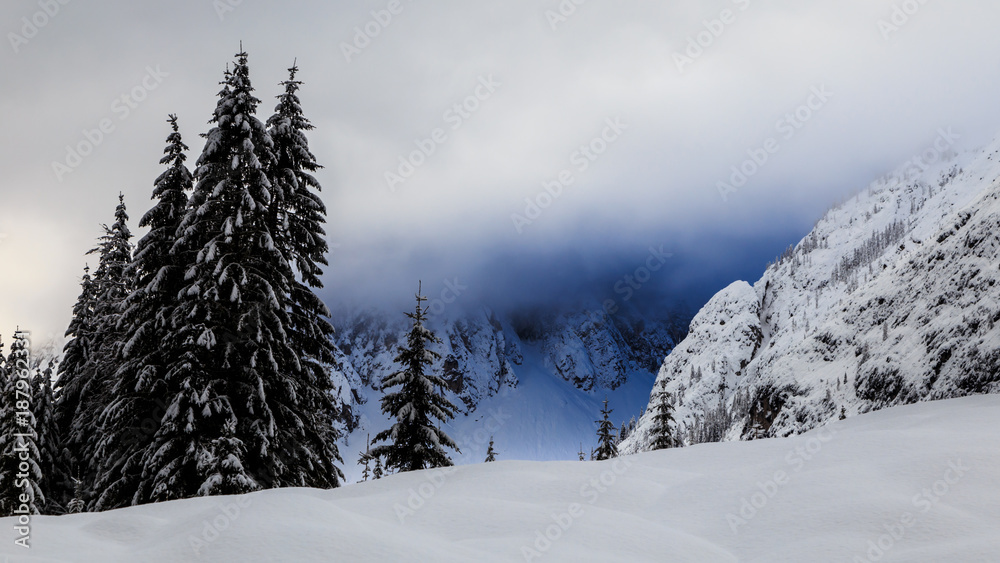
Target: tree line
x,y
198,360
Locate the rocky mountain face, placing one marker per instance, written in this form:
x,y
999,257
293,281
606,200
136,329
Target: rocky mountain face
x,y
892,298
481,350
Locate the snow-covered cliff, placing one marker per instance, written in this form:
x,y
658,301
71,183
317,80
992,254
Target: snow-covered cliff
x,y
549,368
892,298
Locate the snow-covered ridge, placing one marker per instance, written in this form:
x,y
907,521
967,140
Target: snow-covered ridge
x,y
892,298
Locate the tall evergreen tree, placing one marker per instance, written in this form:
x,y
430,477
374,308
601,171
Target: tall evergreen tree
x,y
296,217
247,410
87,391
77,354
146,321
18,438
606,448
662,429
414,441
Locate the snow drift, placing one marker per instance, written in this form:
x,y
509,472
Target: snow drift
x,y
912,483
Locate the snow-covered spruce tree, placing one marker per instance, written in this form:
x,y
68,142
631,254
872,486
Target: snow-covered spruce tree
x,y
663,427
377,471
241,415
131,419
491,454
18,439
296,217
50,462
86,392
76,355
606,448
416,400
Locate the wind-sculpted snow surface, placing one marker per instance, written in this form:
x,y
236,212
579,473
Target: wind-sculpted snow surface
x,y
915,483
891,299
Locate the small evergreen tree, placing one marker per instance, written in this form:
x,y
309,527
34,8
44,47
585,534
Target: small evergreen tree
x,y
582,458
76,504
414,441
377,471
662,430
843,412
491,454
606,448
49,459
365,458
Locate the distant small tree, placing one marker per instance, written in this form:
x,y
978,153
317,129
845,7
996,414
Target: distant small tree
x,y
606,448
76,505
582,457
377,471
365,458
491,454
843,412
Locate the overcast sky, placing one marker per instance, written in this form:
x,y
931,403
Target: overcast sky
x,y
533,86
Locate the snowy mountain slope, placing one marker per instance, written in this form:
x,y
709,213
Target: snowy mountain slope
x,y
913,483
891,299
549,370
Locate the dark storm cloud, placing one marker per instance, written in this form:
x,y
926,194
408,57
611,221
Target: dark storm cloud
x,y
500,100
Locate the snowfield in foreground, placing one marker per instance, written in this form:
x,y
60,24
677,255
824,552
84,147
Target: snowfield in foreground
x,y
912,483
